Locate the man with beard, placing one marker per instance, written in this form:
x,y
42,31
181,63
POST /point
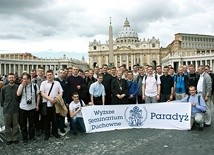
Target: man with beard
x,y
10,103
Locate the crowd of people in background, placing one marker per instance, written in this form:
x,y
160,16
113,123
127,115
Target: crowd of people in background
x,y
39,102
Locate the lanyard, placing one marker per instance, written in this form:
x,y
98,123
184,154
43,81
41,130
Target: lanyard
x,y
26,92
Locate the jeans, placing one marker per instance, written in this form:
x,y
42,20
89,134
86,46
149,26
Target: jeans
x,y
151,99
77,123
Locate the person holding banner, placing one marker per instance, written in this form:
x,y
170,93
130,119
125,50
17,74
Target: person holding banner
x,y
97,91
198,107
75,108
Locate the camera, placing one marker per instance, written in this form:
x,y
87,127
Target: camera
x,y
179,89
77,108
29,101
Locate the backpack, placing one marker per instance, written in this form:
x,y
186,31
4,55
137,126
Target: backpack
x,y
198,99
156,77
35,90
81,102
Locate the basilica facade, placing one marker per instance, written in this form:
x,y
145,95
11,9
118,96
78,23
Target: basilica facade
x,y
127,49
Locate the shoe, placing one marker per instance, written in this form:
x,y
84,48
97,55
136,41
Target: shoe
x,y
207,125
32,139
9,142
57,135
25,141
46,138
201,127
16,141
62,131
38,133
75,133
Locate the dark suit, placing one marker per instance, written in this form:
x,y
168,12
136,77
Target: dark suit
x,y
119,87
107,78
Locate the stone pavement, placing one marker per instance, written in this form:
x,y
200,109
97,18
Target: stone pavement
x,y
129,142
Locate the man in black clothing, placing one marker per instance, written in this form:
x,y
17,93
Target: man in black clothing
x,y
75,83
167,86
192,76
107,78
119,89
10,103
88,81
63,82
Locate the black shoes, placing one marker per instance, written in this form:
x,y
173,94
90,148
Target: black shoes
x,y
207,125
62,131
9,142
46,138
75,133
57,135
16,141
32,139
25,141
201,127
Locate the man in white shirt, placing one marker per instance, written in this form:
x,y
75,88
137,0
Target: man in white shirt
x,y
97,91
75,108
48,95
151,87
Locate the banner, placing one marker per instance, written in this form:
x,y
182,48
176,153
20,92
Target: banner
x,y
169,115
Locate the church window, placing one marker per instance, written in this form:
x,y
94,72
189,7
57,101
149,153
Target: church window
x,y
95,47
153,45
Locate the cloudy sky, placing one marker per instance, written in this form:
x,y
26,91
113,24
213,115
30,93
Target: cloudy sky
x,y
69,25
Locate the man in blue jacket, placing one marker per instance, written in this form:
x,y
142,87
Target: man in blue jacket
x,y
132,88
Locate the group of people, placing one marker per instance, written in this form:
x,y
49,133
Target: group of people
x,y
38,103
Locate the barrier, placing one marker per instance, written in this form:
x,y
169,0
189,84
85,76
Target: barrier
x,y
167,115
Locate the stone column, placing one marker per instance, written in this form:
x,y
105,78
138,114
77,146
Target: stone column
x,y
23,68
197,63
46,68
14,68
9,68
5,68
28,68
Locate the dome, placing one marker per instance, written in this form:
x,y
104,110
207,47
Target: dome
x,y
127,31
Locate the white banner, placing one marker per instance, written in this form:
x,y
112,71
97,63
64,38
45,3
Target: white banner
x,y
167,115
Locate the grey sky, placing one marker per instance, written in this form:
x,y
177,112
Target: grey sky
x,y
69,26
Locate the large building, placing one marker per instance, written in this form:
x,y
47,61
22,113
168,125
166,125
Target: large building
x,y
127,49
19,62
188,49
